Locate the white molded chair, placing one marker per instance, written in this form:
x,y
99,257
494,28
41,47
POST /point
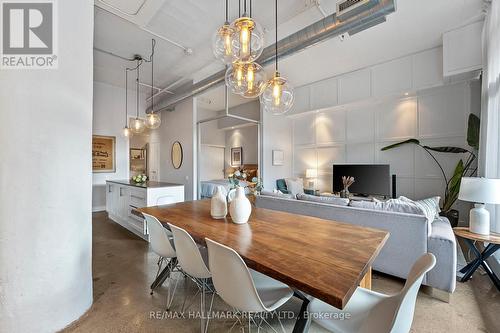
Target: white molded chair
x,y
243,289
162,244
194,261
372,312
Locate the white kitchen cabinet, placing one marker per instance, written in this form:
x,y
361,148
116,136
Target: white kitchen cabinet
x,y
124,197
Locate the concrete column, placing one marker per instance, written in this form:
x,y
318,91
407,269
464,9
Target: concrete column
x,y
46,183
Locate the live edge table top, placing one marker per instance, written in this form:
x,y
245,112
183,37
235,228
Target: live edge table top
x,y
323,258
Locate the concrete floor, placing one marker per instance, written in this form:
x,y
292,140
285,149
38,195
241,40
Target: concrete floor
x,y
123,268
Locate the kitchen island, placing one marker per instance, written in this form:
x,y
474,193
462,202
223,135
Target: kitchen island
x,y
124,197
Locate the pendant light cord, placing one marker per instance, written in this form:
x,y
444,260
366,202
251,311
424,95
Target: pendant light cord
x,y
126,97
276,33
227,12
137,91
250,8
244,7
153,44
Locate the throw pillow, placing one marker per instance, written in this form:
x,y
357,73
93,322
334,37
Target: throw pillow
x,y
295,185
326,200
276,194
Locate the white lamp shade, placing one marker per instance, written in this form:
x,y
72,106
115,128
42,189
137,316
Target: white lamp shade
x,y
480,190
311,173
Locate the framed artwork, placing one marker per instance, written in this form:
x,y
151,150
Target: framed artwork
x,y
177,155
278,157
103,154
237,156
137,154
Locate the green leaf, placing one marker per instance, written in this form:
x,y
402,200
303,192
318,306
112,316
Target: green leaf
x,y
473,127
413,141
454,186
454,150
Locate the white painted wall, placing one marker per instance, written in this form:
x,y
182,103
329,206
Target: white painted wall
x,y
179,126
109,119
45,183
247,138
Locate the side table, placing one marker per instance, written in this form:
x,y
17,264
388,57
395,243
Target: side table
x,y
480,260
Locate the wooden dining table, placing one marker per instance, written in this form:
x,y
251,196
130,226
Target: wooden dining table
x,y
321,258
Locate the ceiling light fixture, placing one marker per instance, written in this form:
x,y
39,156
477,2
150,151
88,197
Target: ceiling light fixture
x,y
222,41
153,120
137,125
278,95
247,37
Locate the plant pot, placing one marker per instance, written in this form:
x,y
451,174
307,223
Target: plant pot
x,y
451,215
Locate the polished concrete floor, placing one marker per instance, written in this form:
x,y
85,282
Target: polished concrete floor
x,y
124,267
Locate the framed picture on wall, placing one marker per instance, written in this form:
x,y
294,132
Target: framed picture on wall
x,y
103,154
237,156
278,157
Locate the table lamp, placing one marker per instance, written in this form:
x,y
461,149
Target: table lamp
x,y
481,191
311,174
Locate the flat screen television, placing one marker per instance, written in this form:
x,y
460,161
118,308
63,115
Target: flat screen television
x,y
370,179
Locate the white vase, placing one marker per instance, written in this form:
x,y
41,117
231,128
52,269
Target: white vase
x,y
240,208
218,204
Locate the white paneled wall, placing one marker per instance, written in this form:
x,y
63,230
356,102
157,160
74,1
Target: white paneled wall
x,y
356,133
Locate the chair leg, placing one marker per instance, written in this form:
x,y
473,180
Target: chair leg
x,y
159,263
170,296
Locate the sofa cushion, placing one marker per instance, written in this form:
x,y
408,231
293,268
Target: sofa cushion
x,y
443,245
295,185
277,194
326,200
281,185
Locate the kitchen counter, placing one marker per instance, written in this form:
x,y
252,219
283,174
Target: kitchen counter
x,y
148,184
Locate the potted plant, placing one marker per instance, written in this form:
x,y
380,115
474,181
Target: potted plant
x,y
463,169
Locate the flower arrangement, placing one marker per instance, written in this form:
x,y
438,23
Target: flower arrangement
x,y
346,182
139,179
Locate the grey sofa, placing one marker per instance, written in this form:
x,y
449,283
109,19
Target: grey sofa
x,y
409,237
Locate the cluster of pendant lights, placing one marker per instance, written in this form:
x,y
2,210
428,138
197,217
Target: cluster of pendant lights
x,y
153,120
239,45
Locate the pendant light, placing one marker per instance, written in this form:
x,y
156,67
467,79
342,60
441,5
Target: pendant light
x,y
277,97
126,130
222,41
153,120
247,79
247,38
137,125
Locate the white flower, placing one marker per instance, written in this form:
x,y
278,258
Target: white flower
x,y
244,175
237,173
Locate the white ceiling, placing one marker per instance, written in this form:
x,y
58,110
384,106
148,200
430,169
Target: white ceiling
x,y
416,25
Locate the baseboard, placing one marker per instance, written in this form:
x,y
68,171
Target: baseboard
x,y
98,209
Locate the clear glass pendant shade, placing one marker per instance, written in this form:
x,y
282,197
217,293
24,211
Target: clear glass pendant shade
x,y
127,132
278,96
246,79
137,125
222,44
153,120
247,39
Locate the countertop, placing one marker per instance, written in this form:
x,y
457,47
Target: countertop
x,y
148,184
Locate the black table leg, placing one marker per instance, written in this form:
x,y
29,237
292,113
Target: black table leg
x,y
165,273
480,260
303,321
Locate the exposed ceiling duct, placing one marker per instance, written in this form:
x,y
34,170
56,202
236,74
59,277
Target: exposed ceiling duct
x,y
311,35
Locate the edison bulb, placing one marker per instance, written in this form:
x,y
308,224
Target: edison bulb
x,y
277,97
222,44
127,132
137,125
247,39
153,120
246,79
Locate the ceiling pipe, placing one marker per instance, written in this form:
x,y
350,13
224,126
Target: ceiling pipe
x,y
311,35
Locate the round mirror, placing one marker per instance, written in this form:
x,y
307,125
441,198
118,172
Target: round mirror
x,y
177,155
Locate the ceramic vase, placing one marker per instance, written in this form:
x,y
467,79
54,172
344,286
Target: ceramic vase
x,y
240,208
218,204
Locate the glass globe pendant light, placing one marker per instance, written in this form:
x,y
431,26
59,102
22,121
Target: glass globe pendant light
x,y
222,41
254,80
126,130
137,125
278,95
153,120
248,37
